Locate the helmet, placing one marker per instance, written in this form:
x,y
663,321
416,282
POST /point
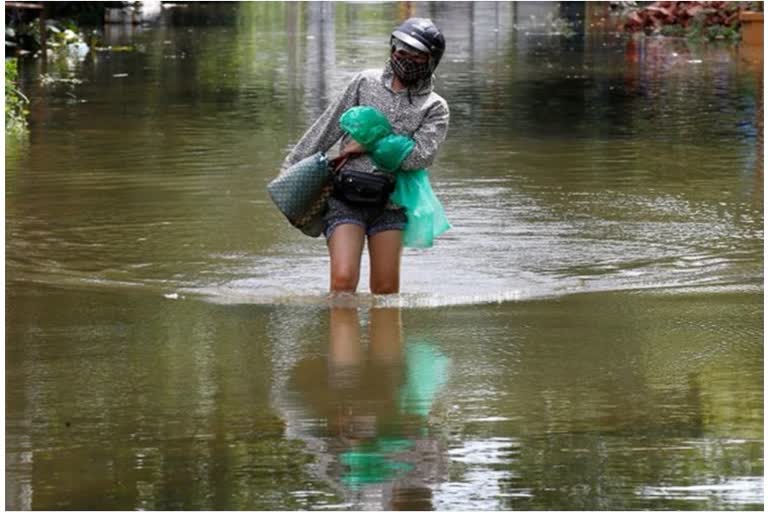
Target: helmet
x,y
422,34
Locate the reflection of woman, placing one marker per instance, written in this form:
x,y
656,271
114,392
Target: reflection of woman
x,y
372,408
356,390
403,92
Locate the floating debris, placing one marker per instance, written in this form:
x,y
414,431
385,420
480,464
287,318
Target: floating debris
x,y
128,48
49,80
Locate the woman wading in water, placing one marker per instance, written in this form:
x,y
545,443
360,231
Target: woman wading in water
x,y
403,92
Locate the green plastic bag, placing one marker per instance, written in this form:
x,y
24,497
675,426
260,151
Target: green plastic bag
x,y
426,216
367,464
366,125
427,369
390,151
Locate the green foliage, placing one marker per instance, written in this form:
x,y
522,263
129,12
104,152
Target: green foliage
x,y
673,30
698,21
25,35
723,32
59,34
699,30
15,101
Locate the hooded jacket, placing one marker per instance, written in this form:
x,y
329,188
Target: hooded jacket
x,y
417,112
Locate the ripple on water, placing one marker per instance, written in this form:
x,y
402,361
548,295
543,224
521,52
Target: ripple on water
x,y
729,492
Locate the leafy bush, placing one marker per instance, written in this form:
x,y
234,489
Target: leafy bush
x,y
695,20
15,101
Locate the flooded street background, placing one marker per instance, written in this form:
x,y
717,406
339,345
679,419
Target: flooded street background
x,y
589,335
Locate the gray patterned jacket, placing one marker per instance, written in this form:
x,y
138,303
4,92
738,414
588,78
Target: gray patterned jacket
x,y
419,113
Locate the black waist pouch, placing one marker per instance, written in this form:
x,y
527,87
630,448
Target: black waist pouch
x,y
363,188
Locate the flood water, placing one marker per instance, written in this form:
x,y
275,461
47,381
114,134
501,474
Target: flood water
x,y
589,335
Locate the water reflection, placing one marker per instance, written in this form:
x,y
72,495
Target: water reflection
x,y
599,401
368,401
320,63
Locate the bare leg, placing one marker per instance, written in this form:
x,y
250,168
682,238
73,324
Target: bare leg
x,y
385,334
345,337
385,249
345,248
345,357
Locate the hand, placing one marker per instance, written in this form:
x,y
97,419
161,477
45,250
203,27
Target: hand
x,y
352,149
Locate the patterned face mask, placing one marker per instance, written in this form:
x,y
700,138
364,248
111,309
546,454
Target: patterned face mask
x,y
408,71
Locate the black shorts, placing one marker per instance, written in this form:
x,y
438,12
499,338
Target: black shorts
x,y
373,219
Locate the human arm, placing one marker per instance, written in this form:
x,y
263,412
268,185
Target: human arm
x,y
353,148
325,131
428,138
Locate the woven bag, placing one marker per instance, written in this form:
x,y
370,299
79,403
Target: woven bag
x,y
301,192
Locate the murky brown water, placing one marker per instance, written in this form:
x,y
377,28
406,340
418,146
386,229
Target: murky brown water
x,y
588,336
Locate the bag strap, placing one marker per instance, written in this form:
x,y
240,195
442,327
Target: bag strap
x,y
335,166
337,163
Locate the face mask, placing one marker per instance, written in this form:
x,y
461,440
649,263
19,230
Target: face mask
x,y
410,72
